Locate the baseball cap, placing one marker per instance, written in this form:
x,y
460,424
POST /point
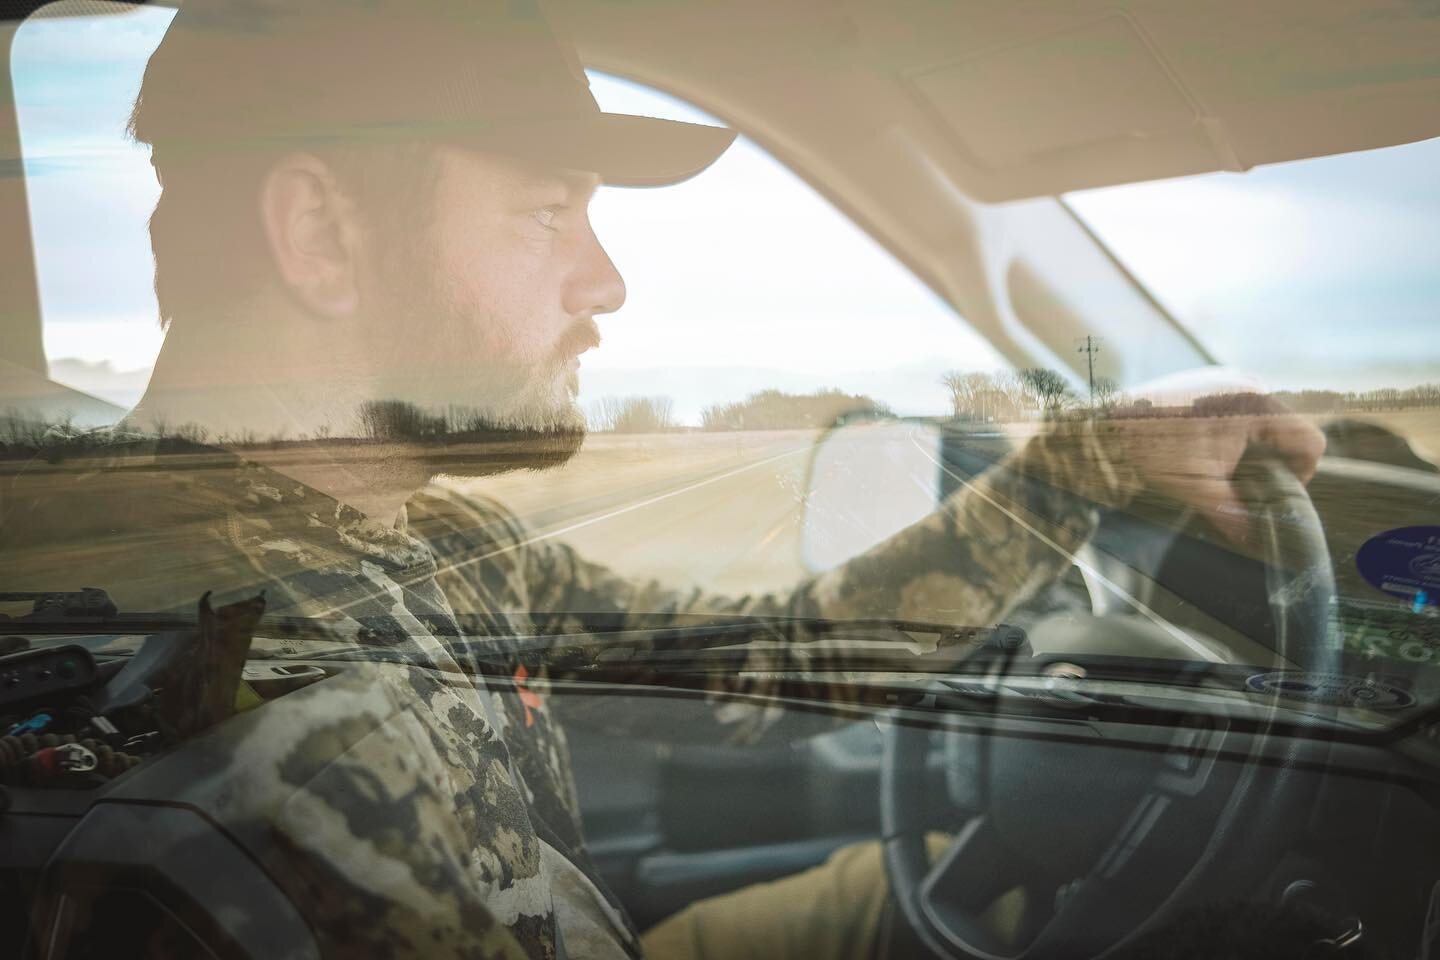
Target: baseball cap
x,y
487,73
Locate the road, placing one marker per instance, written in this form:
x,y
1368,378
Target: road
x,y
717,511
721,512
725,512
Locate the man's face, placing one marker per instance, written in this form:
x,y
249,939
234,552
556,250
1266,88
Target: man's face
x,y
484,308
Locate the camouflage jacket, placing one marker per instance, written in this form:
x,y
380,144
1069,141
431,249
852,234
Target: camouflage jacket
x,y
422,811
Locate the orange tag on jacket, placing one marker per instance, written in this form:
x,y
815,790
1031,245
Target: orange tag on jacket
x,y
528,697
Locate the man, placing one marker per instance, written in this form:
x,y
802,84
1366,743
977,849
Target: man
x,y
373,234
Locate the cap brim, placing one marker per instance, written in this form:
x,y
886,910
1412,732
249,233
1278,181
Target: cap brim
x,y
625,150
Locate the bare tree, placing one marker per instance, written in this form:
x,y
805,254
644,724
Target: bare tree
x,y
192,432
20,430
1012,395
969,393
778,410
398,420
1049,387
976,395
1106,395
633,414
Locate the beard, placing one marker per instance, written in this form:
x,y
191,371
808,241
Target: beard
x,y
488,418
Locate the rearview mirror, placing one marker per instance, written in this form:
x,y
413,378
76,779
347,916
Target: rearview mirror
x,y
867,482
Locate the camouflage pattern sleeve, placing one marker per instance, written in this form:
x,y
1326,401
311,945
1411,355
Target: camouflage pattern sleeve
x,y
990,546
385,800
994,542
393,823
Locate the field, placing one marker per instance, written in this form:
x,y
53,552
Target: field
x,y
720,511
725,511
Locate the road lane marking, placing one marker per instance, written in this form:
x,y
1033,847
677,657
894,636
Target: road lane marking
x,y
1184,638
590,521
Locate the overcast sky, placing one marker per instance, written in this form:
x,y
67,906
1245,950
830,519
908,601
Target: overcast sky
x,y
1318,273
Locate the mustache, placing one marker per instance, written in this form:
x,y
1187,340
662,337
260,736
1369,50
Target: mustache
x,y
580,336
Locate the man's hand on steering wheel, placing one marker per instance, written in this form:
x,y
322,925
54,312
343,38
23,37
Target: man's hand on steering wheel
x,y
1164,843
1192,459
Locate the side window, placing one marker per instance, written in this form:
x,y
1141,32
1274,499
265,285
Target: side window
x,y
755,310
76,68
741,280
745,279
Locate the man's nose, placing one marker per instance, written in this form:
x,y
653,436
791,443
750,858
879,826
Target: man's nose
x,y
596,286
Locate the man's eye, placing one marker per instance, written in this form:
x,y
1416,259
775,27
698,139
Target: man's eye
x,y
546,217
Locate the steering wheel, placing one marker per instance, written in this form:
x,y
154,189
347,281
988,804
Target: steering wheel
x,y
1188,829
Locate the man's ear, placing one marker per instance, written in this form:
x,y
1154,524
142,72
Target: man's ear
x,y
313,234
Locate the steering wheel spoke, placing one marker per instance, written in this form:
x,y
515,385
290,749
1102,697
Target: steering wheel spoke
x,y
974,871
984,863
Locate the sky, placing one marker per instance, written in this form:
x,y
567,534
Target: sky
x,y
1316,273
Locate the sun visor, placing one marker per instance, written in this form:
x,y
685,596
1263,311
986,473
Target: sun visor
x,y
1165,90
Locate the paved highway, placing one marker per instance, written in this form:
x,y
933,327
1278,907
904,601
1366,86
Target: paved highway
x,y
717,511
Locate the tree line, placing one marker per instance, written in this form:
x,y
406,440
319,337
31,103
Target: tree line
x,y
762,410
376,421
972,395
1425,395
1037,391
1016,395
778,410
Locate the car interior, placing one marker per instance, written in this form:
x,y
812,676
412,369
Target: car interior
x,y
950,133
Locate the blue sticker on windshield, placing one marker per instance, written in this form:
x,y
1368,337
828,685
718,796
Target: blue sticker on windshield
x,y
1405,563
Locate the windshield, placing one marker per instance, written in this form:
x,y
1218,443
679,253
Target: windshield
x,y
1318,279
1335,260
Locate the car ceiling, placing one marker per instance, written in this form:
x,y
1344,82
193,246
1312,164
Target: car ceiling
x,y
918,117
1033,99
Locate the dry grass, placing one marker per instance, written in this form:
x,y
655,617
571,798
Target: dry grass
x,y
722,511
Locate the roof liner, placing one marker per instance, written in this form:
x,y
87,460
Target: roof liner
x,y
1034,99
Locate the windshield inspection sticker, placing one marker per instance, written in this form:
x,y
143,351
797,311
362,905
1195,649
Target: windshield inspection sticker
x,y
1404,563
1331,689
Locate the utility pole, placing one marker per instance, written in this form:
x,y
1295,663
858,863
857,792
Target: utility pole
x,y
1091,347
